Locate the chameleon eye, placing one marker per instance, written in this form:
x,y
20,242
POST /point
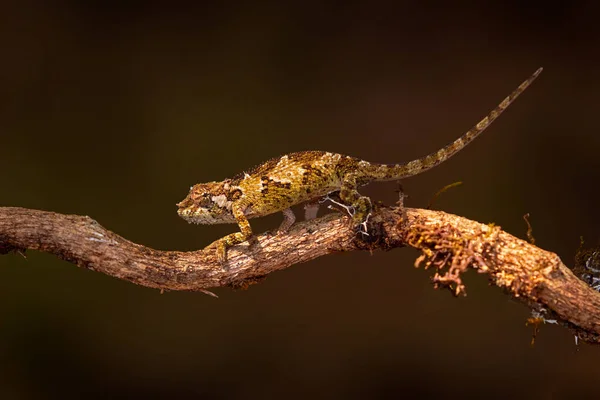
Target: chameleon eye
x,y
205,201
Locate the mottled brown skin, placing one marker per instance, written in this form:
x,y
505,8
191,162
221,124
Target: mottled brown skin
x,y
282,182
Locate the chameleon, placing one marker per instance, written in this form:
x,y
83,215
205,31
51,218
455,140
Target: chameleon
x,y
306,176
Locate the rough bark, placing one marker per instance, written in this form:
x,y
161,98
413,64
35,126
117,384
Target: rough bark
x,y
449,243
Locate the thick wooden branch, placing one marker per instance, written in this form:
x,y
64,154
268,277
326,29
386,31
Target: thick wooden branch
x,y
449,243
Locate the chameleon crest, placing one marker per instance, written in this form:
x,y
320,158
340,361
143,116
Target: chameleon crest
x,y
280,183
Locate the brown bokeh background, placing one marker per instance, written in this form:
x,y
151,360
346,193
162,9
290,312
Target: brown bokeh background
x,y
113,111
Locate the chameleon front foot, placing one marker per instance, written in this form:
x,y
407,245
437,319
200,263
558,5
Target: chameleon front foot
x,y
221,251
223,244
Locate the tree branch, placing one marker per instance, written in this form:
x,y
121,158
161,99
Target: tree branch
x,y
449,243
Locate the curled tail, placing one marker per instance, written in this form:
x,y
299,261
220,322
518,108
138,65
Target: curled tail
x,y
398,171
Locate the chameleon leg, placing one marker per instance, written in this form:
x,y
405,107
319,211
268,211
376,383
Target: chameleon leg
x,y
288,220
311,209
361,204
232,239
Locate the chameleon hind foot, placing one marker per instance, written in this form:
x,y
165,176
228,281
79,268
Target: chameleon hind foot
x,y
362,212
359,211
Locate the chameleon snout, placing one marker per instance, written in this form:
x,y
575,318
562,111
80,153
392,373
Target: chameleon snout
x,y
185,203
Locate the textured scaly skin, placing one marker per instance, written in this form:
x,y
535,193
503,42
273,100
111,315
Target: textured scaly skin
x,y
282,182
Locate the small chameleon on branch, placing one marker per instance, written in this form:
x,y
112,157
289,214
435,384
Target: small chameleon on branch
x,y
280,183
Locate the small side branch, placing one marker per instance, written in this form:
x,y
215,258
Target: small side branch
x,y
449,243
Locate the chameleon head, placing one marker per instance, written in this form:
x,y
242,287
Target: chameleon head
x,y
209,203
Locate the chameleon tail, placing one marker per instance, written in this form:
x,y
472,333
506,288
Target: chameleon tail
x,y
398,171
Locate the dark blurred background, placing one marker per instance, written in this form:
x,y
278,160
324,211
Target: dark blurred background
x,y
114,110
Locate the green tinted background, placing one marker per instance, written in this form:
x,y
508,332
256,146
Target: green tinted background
x,y
113,111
